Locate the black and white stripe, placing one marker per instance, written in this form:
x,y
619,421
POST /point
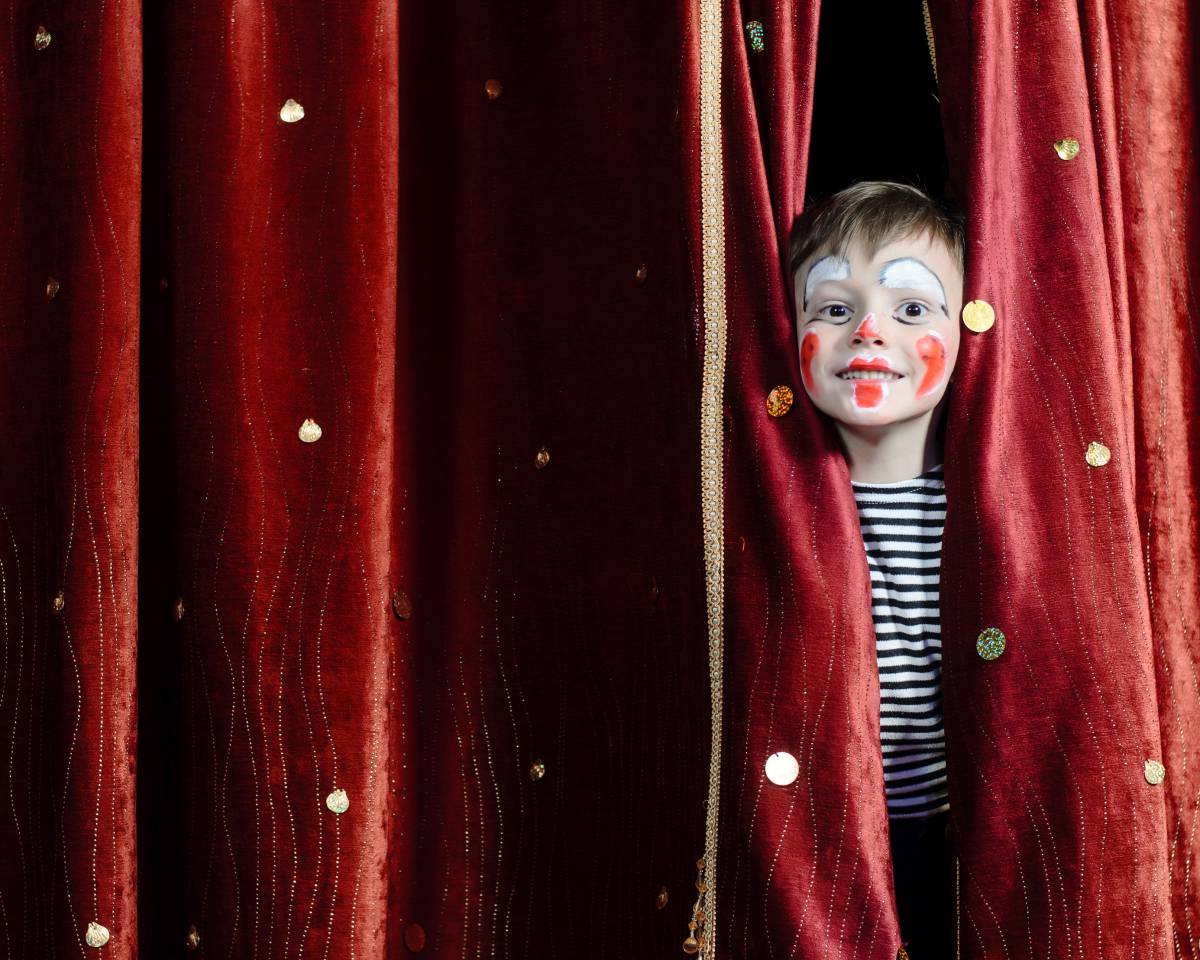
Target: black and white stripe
x,y
902,531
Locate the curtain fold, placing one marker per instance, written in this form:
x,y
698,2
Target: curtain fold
x,y
352,574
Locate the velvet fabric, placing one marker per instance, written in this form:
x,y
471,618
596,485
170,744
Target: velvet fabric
x,y
476,603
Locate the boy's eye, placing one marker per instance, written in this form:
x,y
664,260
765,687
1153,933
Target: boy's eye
x,y
913,310
834,311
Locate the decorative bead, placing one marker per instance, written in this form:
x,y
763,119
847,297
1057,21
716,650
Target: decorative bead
x,y
1097,454
177,610
537,770
661,900
691,945
59,602
978,316
493,88
700,864
414,937
702,886
41,39
754,31
542,459
1067,148
52,288
990,643
901,954
291,111
193,938
310,431
401,605
779,400
1155,772
782,769
97,935
337,801
640,274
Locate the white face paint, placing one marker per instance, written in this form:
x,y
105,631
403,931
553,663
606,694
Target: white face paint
x,y
827,268
910,274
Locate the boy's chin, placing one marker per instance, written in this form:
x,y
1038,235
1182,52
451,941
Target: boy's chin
x,y
885,415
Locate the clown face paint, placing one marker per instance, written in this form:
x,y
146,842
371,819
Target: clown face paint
x,y
932,349
869,394
908,273
808,349
869,358
868,329
827,268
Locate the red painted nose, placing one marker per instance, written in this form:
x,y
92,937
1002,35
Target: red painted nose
x,y
868,329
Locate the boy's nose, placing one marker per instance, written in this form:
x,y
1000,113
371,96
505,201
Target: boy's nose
x,y
867,331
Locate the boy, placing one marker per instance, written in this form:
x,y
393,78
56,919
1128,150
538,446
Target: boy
x,y
877,272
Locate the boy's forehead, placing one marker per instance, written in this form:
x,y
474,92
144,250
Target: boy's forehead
x,y
856,251
916,261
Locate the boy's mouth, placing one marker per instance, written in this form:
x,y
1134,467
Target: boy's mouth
x,y
869,368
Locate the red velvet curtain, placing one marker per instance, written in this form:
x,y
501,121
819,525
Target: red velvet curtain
x,y
353,589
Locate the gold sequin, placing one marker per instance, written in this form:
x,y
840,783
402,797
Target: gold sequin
x,y
177,610
1155,772
1067,148
59,602
537,770
1097,454
901,954
310,431
337,801
493,88
542,460
641,273
41,39
193,938
414,937
978,316
990,643
52,288
401,605
661,900
779,400
97,935
291,111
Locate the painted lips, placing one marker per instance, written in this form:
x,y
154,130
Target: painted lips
x,y
870,377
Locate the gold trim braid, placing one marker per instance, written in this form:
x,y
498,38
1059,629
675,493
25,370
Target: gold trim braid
x,y
929,37
712,485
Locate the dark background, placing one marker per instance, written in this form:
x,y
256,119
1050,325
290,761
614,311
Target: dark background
x,y
875,113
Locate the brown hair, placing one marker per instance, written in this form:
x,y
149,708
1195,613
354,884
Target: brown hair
x,y
874,212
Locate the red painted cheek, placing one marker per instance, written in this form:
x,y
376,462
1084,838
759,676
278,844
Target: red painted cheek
x,y
868,393
868,329
932,350
808,349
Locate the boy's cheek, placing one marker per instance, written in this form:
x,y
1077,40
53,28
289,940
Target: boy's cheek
x,y
932,350
810,345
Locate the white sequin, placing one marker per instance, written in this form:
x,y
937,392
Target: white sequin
x,y
782,769
291,111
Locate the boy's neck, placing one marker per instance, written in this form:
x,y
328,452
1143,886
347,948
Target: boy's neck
x,y
891,453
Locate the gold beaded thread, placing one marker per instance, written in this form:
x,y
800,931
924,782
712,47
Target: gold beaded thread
x,y
702,926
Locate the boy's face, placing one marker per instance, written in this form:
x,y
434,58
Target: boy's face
x,y
878,333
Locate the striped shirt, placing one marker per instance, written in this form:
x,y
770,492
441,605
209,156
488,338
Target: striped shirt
x,y
901,527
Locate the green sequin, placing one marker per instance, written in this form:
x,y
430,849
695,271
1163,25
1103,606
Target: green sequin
x,y
754,30
991,643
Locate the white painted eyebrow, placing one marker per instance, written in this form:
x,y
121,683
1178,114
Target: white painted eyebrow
x,y
908,273
827,268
